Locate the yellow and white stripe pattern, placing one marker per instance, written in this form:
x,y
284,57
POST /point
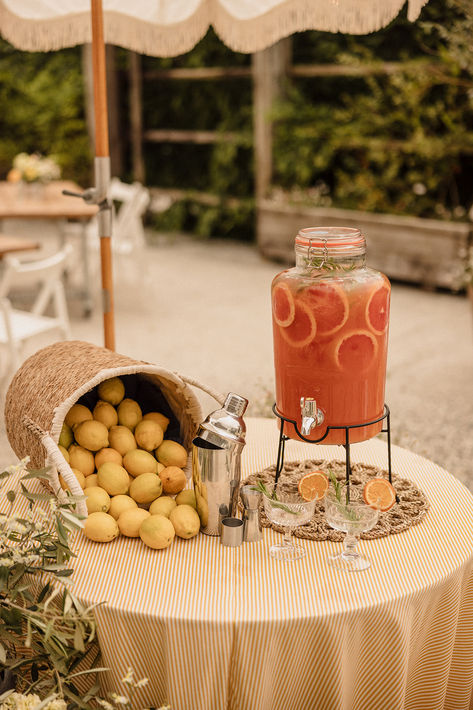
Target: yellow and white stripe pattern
x,y
216,628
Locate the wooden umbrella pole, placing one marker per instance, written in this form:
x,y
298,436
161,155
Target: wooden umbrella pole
x,y
102,169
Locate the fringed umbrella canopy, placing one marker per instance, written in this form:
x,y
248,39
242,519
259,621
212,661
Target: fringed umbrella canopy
x,y
167,28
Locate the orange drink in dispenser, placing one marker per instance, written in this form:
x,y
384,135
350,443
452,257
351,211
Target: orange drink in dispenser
x,y
330,327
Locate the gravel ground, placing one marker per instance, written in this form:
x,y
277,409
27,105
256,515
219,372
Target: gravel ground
x,y
202,309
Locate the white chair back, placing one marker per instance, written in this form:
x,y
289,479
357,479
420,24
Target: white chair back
x,y
127,231
18,325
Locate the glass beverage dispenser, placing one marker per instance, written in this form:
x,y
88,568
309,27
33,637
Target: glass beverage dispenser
x,y
330,327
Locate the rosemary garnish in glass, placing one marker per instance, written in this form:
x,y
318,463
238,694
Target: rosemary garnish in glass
x,y
338,488
272,495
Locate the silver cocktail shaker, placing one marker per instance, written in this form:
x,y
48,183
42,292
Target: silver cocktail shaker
x,y
216,468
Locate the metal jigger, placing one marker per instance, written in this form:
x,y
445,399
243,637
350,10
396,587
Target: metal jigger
x,y
252,531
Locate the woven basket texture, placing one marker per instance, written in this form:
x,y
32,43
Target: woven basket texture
x,y
53,379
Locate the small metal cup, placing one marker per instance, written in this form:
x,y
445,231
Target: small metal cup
x,y
232,532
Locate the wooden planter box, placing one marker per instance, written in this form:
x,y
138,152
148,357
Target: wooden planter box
x,y
425,251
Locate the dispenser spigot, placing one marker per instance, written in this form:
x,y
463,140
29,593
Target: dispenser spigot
x,y
312,416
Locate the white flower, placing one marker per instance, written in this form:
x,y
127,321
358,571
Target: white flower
x,y
129,676
17,701
419,188
104,703
119,699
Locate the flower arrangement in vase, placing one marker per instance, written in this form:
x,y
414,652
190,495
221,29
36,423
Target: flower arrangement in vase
x,y
33,170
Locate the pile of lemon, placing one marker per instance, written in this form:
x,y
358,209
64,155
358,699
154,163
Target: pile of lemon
x,y
131,475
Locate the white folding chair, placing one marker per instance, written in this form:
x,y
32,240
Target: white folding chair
x,y
130,202
128,233
18,326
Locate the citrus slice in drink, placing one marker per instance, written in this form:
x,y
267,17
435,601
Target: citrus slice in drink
x,y
356,350
283,305
329,304
377,309
379,493
303,328
313,486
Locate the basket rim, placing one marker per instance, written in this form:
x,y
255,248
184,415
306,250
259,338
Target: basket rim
x,y
62,409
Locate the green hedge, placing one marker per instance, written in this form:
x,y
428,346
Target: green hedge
x,y
398,143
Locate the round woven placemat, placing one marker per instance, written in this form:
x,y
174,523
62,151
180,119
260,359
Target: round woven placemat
x,y
410,509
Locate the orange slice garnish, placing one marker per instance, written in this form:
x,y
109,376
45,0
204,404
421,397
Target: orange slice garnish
x,y
377,309
303,328
313,486
283,305
379,493
356,350
329,305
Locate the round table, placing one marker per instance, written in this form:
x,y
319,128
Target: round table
x,y
218,628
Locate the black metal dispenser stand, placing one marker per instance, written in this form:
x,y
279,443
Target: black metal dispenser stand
x,y
347,428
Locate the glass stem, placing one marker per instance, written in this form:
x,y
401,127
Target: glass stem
x,y
287,540
349,545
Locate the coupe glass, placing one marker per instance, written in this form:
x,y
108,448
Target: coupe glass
x,y
352,518
288,511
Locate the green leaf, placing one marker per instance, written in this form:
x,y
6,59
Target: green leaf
x,y
61,532
11,495
78,639
34,496
3,654
73,519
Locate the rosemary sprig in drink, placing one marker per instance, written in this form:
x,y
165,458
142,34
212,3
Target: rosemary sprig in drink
x,y
338,487
272,495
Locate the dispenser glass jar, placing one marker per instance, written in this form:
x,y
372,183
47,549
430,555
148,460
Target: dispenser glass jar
x,y
330,327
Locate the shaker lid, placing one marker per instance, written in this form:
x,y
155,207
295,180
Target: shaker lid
x,y
225,427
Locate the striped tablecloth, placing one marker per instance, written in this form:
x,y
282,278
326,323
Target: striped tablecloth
x,y
216,628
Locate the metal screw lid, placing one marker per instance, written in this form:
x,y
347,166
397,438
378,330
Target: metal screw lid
x,y
235,404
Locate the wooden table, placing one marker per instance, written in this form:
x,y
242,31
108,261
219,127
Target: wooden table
x,y
25,202
9,245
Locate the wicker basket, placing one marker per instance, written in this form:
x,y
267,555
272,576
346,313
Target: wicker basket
x,y
53,379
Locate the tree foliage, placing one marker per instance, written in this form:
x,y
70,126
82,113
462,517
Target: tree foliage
x,y
392,142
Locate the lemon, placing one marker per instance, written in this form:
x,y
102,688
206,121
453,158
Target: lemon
x,y
185,520
173,479
162,506
130,521
113,479
159,418
66,437
157,532
78,413
119,504
202,511
148,434
98,500
121,439
107,414
108,455
138,461
129,413
91,481
101,527
146,488
64,452
170,453
80,479
82,459
111,391
91,435
186,497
